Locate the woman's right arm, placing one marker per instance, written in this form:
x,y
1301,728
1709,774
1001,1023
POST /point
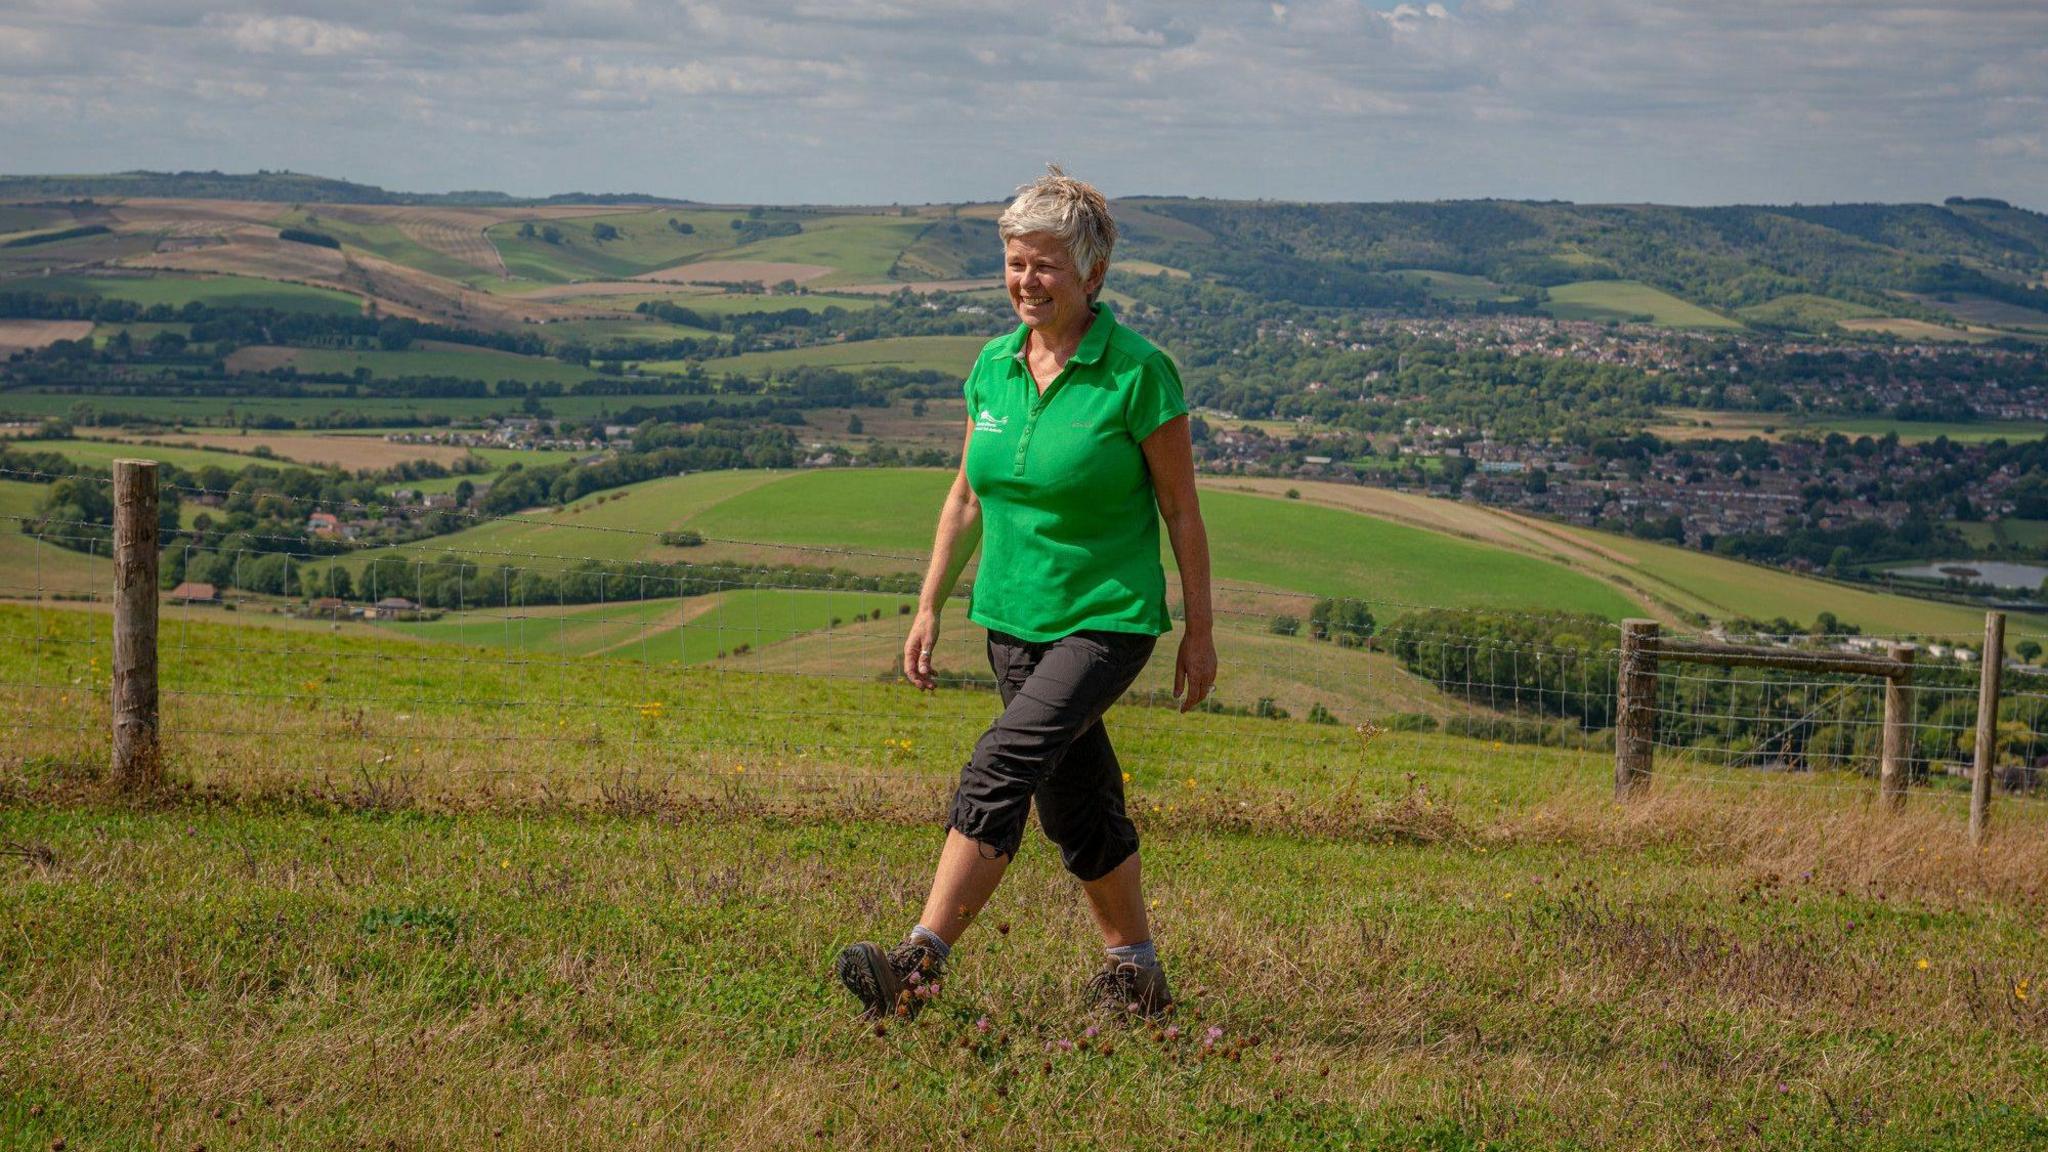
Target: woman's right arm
x,y
958,536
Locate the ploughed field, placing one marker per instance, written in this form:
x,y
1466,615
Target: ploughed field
x,y
447,896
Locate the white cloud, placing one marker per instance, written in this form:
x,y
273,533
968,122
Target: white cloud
x,y
297,35
879,100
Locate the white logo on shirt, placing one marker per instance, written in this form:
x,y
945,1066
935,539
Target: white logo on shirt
x,y
990,422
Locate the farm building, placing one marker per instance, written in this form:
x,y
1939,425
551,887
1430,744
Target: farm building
x,y
390,608
193,592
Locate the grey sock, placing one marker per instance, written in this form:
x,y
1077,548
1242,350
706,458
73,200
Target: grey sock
x,y
1143,954
931,939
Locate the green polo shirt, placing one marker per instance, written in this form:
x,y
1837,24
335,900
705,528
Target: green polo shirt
x,y
1069,523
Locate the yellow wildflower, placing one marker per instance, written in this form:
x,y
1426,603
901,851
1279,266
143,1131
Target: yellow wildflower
x,y
1922,964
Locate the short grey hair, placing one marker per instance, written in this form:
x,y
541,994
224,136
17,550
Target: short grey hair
x,y
1069,210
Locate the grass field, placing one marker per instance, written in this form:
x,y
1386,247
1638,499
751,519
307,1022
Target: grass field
x,y
29,566
658,631
1702,424
2007,533
645,242
411,897
1911,330
219,291
1806,312
102,454
442,360
861,249
306,410
939,353
1983,310
753,303
1624,299
386,239
1453,285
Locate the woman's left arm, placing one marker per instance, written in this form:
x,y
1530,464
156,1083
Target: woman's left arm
x,y
1170,455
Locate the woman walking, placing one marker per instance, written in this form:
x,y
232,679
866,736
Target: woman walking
x,y
1077,446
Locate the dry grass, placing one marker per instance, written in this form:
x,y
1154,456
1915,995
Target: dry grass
x,y
350,970
24,335
735,272
352,453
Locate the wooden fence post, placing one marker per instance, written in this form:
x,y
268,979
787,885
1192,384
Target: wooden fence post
x,y
1993,660
137,764
1635,718
1898,720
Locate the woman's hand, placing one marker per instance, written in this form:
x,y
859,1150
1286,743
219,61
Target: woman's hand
x,y
1194,670
917,650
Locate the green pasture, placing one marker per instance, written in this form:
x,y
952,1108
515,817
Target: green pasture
x,y
30,565
386,239
600,333
624,526
304,410
1625,299
688,631
1971,431
102,454
1454,285
1805,311
755,303
1724,588
861,248
938,353
2007,533
442,360
215,291
1253,540
645,243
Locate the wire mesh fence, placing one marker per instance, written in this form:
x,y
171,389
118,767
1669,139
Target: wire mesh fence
x,y
316,644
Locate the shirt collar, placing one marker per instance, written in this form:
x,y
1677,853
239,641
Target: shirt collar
x,y
1092,346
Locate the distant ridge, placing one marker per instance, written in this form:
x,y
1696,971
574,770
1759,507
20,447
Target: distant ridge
x,y
279,187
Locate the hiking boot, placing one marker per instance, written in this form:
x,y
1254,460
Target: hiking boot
x,y
895,983
1129,989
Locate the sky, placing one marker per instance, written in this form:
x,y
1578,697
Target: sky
x,y
889,101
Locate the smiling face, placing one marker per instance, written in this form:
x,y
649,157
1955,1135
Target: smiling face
x,y
1048,292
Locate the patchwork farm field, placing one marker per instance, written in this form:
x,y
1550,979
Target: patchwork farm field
x,y
220,291
408,895
435,360
953,354
311,411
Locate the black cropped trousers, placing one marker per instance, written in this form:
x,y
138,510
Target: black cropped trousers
x,y
1049,747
